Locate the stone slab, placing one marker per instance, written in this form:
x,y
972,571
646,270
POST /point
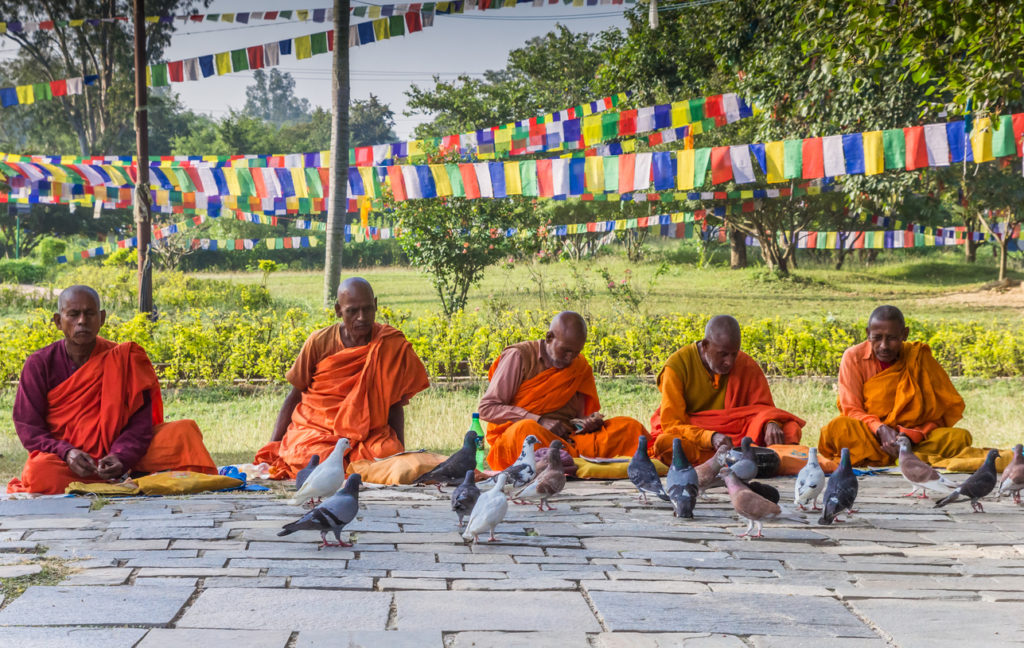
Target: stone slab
x,y
70,637
564,639
727,613
289,609
946,624
174,533
17,571
95,605
99,576
668,640
166,638
61,506
797,642
327,582
455,611
370,639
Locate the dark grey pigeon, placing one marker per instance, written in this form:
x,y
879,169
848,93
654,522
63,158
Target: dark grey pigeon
x,y
766,491
681,475
643,474
300,477
464,497
331,515
745,468
840,491
452,470
976,486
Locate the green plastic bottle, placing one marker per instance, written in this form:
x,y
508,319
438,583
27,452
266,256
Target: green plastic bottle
x,y
481,451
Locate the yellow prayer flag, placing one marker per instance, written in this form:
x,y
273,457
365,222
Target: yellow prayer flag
x,y
416,149
302,14
629,146
591,129
291,203
874,153
593,171
374,11
981,139
303,48
830,240
231,202
746,194
502,136
696,128
228,17
620,224
381,29
299,182
441,180
369,186
231,178
680,113
684,169
78,22
223,61
152,19
163,197
775,155
3,27
813,190
513,182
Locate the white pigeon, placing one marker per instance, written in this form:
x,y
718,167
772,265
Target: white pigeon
x,y
326,478
489,511
809,482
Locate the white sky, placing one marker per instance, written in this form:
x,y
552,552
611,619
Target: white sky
x,y
469,43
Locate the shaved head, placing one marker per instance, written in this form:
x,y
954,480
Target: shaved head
x,y
723,329
887,314
565,338
78,291
887,331
355,286
357,308
721,344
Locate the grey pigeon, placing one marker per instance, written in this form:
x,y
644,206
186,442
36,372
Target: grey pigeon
x,y
327,477
840,491
489,511
681,477
453,469
751,506
549,482
465,496
976,486
810,481
1012,479
745,468
330,515
522,471
707,472
920,475
766,491
643,474
300,477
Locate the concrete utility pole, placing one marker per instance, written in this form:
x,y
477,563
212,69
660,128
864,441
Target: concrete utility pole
x,y
143,218
337,207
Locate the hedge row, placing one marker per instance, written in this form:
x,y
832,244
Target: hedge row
x,y
208,344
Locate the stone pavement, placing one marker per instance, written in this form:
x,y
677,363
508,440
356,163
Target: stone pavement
x,y
601,571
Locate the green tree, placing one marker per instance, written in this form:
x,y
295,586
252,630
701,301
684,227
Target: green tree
x,y
370,122
271,97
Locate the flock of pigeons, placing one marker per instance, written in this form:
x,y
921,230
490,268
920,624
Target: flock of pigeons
x,y
754,501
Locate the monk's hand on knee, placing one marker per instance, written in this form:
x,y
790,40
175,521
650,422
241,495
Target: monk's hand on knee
x,y
773,433
110,467
887,437
592,423
719,441
555,427
80,463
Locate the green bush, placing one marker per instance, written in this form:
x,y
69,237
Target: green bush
x,y
21,271
206,343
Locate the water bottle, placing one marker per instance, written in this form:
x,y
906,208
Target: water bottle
x,y
481,451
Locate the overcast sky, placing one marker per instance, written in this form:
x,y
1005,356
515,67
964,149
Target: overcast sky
x,y
468,43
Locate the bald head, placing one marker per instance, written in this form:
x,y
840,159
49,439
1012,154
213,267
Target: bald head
x,y
81,291
887,331
355,286
357,308
887,314
721,344
565,338
79,316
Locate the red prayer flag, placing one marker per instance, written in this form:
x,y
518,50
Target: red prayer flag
x,y
917,149
330,40
239,244
413,23
654,138
1018,130
545,181
469,183
713,107
364,156
270,15
812,239
814,158
60,88
748,206
721,165
627,164
257,181
199,17
255,57
46,24
627,122
325,182
397,183
721,195
175,71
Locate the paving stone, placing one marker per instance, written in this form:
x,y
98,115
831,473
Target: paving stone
x,y
210,545
454,572
167,521
664,586
370,639
165,572
772,587
59,506
234,581
289,609
95,605
17,571
64,534
165,638
667,640
70,637
946,624
489,559
341,583
12,558
454,611
850,593
190,533
166,581
513,584
728,613
100,576
834,642
392,584
562,639
157,559
33,522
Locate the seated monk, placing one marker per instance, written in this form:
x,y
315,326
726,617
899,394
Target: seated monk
x,y
713,394
890,387
351,379
541,387
90,410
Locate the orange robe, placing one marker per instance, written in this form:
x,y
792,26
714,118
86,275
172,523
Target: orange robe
x,y
696,404
349,394
89,410
546,394
914,396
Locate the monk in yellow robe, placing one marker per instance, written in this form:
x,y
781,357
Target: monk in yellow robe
x,y
351,379
90,410
888,388
546,388
713,394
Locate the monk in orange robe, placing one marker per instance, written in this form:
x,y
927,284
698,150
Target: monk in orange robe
x,y
713,394
546,388
888,388
90,410
351,379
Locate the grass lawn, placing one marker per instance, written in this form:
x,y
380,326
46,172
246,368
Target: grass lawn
x,y
238,420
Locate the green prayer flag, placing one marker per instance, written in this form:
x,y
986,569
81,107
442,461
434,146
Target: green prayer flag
x,y
528,177
1002,138
359,12
351,157
455,180
397,25
212,17
316,189
822,241
609,125
793,159
42,91
239,60
696,110
159,72
305,205
701,158
246,187
894,146
184,180
318,43
611,174
285,15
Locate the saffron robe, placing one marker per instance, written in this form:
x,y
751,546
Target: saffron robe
x,y
349,394
91,409
554,393
914,396
695,404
